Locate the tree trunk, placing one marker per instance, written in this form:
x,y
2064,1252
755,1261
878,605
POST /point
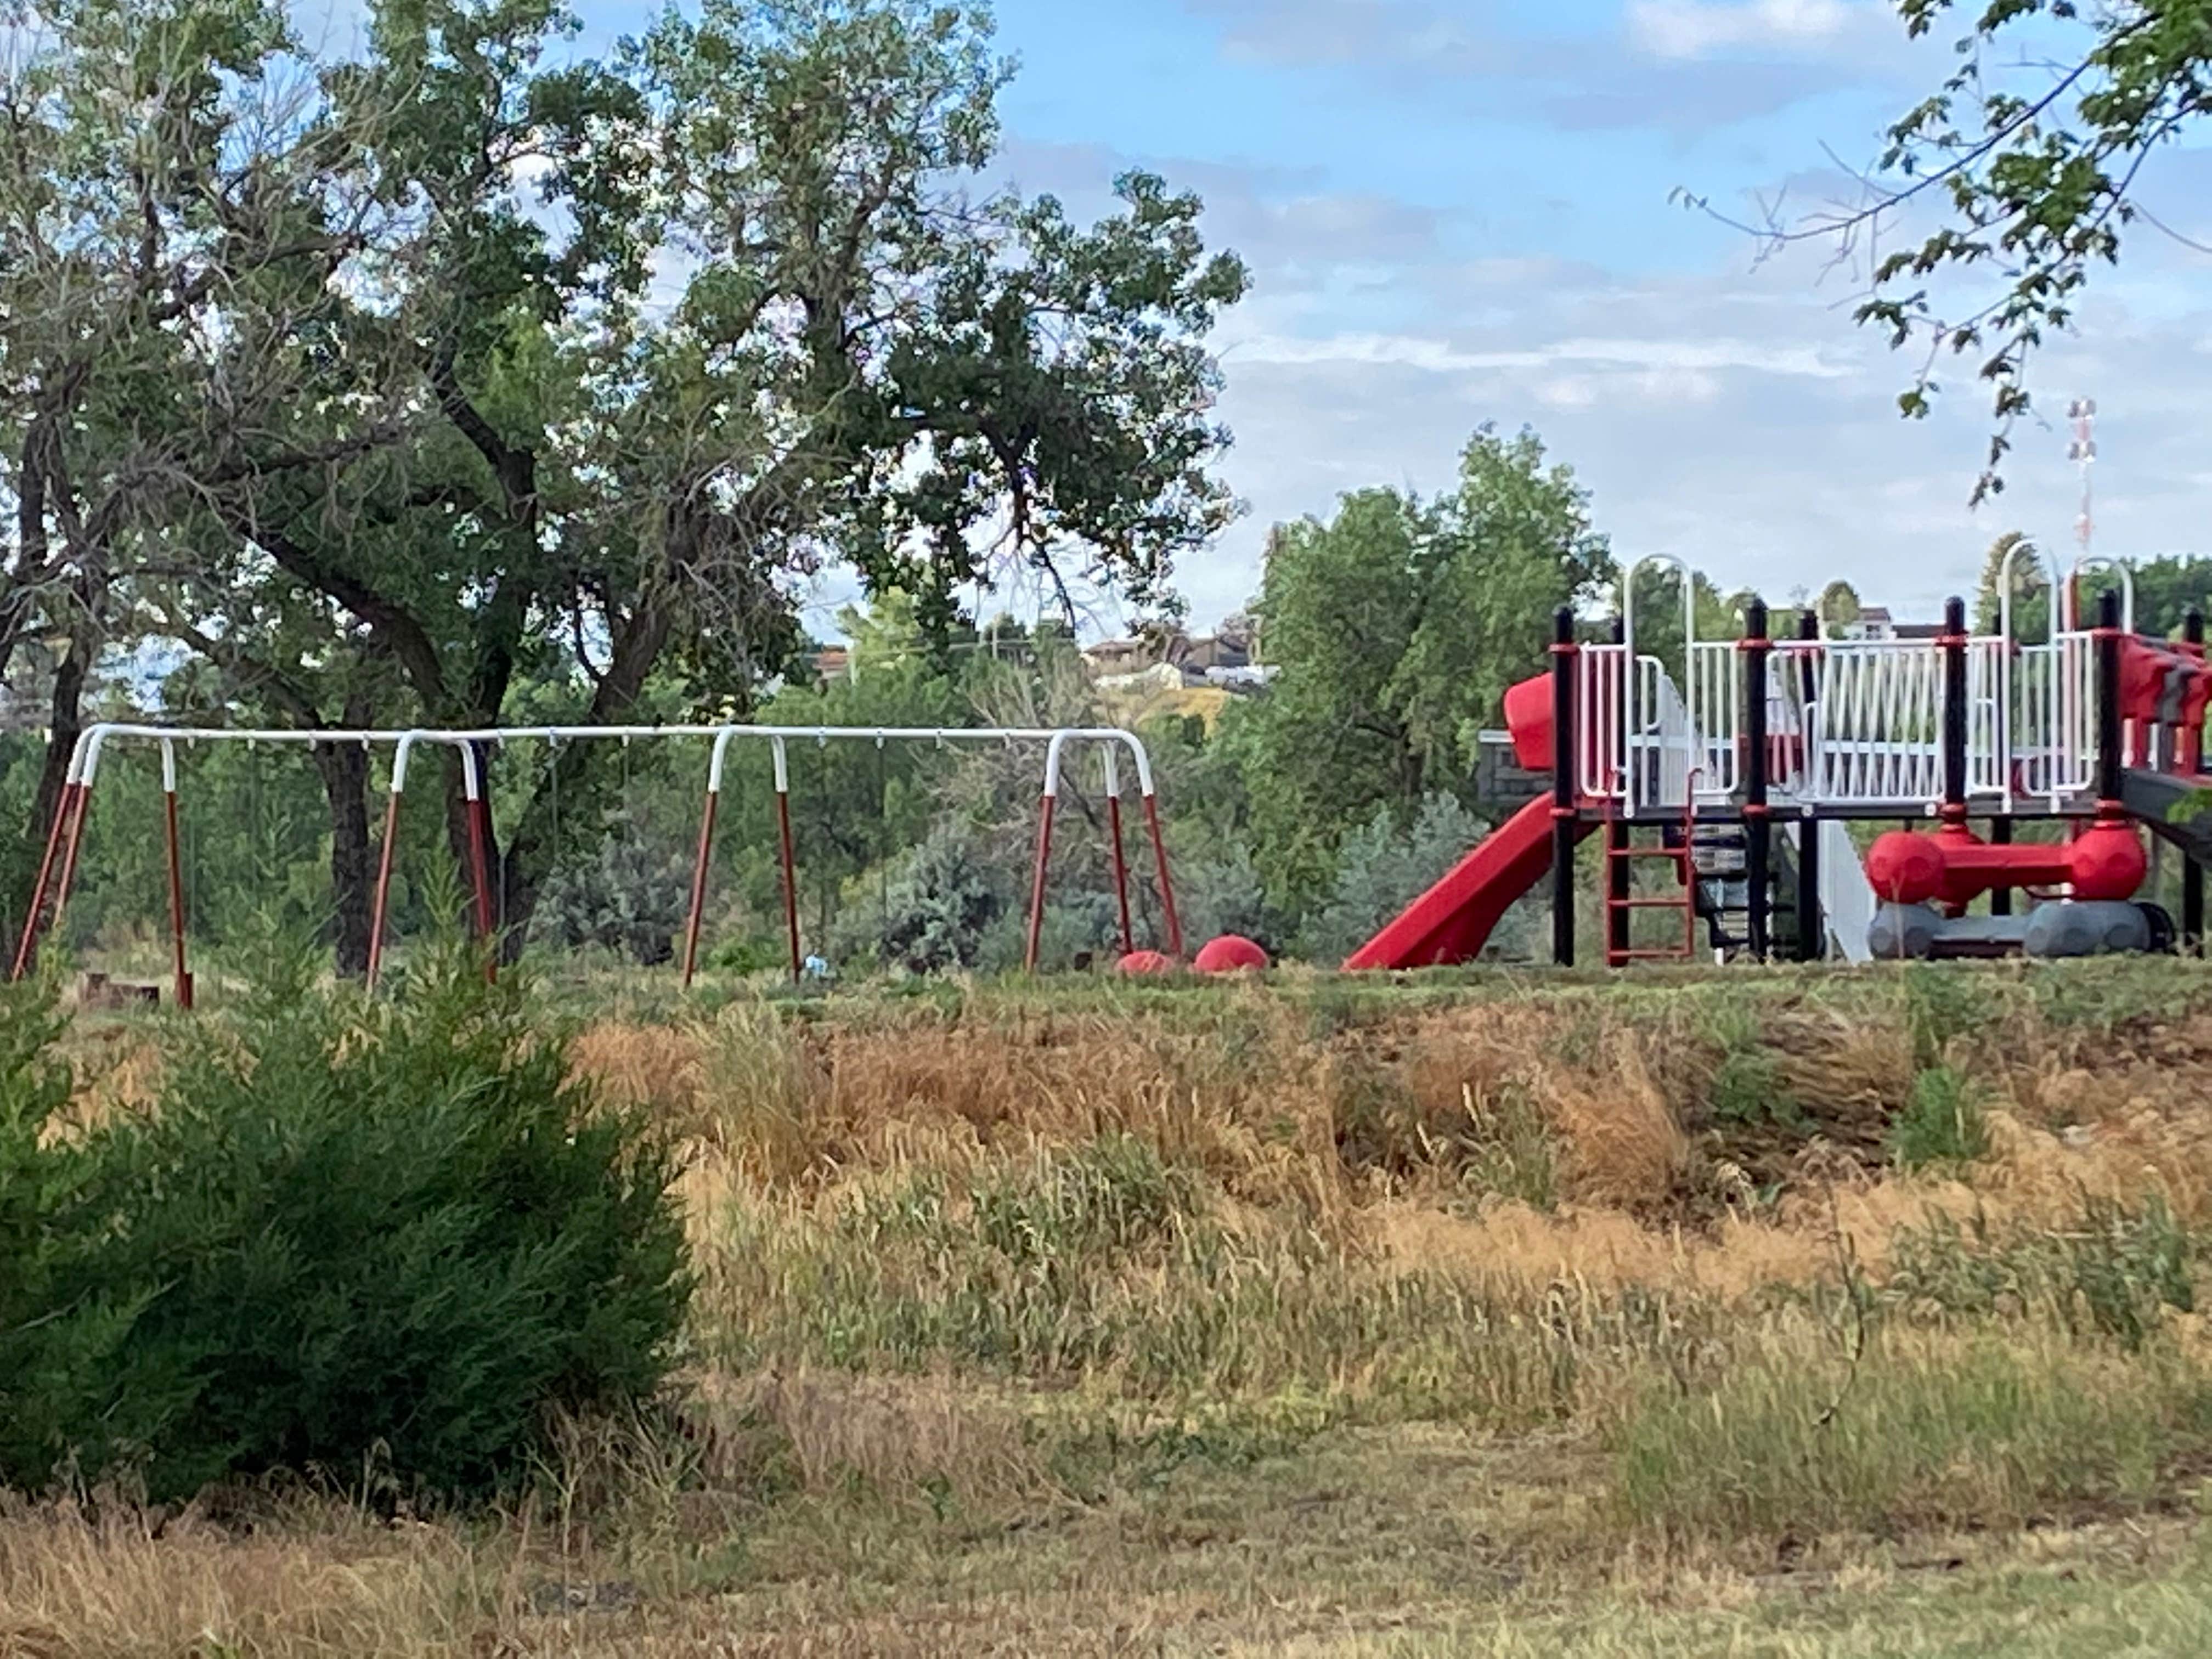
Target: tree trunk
x,y
576,786
344,769
66,720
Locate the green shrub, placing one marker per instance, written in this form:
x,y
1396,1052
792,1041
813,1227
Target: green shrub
x,y
352,1234
1942,1123
630,893
934,907
40,1179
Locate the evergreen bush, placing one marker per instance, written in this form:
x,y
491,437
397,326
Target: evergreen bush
x,y
935,906
352,1234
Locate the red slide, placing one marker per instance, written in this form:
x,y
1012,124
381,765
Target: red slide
x,y
1451,921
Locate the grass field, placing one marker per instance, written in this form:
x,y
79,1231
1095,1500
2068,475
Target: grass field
x,y
1760,1312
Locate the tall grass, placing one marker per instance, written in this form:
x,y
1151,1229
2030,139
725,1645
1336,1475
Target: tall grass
x,y
1992,1428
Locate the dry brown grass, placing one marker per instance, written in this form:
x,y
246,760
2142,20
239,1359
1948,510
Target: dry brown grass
x,y
1384,1135
922,1420
85,1582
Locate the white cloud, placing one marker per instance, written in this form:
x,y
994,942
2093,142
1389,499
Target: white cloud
x,y
1661,356
1747,429
1700,28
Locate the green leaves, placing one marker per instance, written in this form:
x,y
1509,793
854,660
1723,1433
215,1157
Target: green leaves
x,y
2034,168
1398,626
476,364
351,1232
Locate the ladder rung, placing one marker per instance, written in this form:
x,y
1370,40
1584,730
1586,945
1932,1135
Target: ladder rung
x,y
1682,954
1682,903
1645,851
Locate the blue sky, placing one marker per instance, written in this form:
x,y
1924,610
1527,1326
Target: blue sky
x,y
1457,211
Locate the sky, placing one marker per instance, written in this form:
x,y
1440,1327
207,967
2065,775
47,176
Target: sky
x,y
1458,211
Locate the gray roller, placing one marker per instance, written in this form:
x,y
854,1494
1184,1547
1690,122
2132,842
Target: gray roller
x,y
1899,931
2087,928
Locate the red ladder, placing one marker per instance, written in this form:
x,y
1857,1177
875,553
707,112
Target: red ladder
x,y
1621,849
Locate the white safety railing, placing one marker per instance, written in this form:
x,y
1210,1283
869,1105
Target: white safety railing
x,y
1853,723
1715,703
1668,746
1601,700
1792,701
2052,740
1877,729
1989,717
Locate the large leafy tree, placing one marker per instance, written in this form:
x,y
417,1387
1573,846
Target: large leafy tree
x,y
1395,628
860,358
177,209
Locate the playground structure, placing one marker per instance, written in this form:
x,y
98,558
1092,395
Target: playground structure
x,y
1748,769
58,864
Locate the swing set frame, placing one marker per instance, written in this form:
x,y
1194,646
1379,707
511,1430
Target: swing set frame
x,y
65,833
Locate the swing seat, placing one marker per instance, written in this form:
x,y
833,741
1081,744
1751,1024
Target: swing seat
x,y
1146,962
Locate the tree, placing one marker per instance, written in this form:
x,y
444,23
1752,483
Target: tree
x,y
1385,865
1837,607
179,217
2029,152
1716,615
2166,589
1396,628
409,384
862,360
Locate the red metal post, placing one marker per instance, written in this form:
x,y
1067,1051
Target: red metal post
x,y
790,879
64,804
1121,868
177,901
1167,887
383,887
699,886
1037,882
68,852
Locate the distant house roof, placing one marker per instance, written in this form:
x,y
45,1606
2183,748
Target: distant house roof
x,y
1113,654
1208,653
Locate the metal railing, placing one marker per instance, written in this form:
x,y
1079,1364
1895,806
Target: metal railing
x,y
1849,722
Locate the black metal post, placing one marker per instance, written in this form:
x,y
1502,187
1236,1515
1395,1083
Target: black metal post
x,y
1756,829
2111,760
1562,787
2001,835
1953,645
2192,873
1812,919
1618,886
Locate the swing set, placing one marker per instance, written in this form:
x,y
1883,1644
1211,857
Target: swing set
x,y
58,864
